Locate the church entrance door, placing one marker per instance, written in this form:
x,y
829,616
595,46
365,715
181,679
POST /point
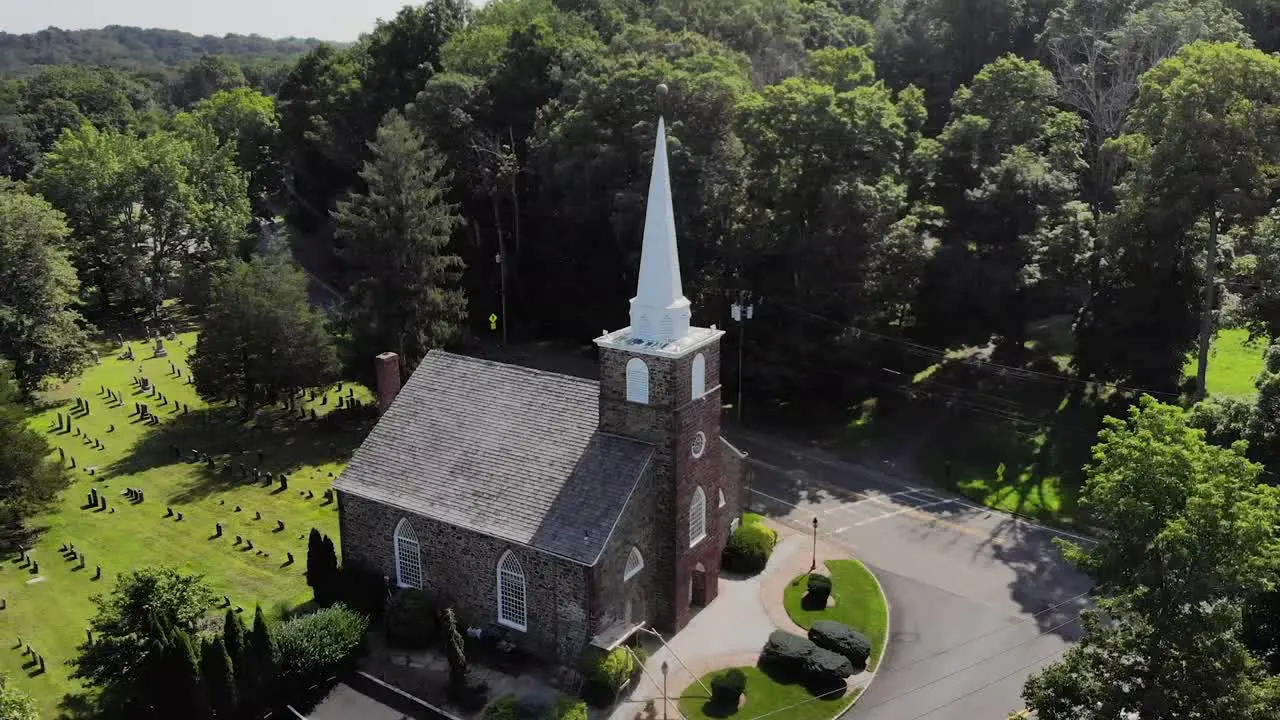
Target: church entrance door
x,y
698,586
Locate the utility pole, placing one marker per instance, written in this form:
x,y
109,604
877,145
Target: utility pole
x,y
502,275
742,311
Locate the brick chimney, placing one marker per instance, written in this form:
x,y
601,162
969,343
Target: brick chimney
x,y
387,368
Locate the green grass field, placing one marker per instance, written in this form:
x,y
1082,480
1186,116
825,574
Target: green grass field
x,y
859,603
1234,364
765,696
50,609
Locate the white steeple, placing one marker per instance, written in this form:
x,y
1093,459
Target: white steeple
x,y
659,311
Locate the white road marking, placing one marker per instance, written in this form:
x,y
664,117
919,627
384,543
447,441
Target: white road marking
x,y
904,510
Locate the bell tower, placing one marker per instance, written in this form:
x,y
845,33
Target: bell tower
x,y
660,382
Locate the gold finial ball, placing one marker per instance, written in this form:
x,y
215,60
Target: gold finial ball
x,y
662,90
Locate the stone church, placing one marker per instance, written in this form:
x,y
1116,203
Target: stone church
x,y
564,512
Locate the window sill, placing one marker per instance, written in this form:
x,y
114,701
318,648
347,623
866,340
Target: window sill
x,y
698,541
513,626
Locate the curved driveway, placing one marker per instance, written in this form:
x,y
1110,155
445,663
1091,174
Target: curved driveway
x,y
978,599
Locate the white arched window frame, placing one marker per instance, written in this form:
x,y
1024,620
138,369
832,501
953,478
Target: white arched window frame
x,y
408,556
699,376
635,563
637,381
513,608
720,498
697,517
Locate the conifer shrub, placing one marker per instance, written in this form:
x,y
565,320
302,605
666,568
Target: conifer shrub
x,y
727,688
842,640
819,590
314,647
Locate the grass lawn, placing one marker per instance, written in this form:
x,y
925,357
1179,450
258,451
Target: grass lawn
x,y
765,695
859,603
51,609
1234,363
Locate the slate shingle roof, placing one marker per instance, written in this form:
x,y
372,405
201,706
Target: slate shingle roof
x,y
504,450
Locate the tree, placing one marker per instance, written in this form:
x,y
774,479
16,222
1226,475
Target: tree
x,y
15,704
246,120
1014,235
125,645
262,340
41,333
206,76
219,679
29,480
395,237
189,691
1099,50
146,212
1204,147
322,567
266,655
1185,535
454,649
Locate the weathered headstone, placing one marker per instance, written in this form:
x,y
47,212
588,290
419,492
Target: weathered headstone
x,y
179,516
168,512
238,540
284,482
324,400
161,351
257,514
289,558
238,509
97,574
279,526
217,529
111,428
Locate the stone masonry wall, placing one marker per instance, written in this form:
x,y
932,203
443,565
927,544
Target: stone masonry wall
x,y
670,420
635,529
462,566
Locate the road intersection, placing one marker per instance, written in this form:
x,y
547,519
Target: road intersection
x,y
979,599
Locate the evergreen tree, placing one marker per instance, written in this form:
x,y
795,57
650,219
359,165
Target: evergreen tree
x,y
233,636
243,667
29,478
406,296
314,548
219,678
188,689
329,559
265,653
262,339
454,649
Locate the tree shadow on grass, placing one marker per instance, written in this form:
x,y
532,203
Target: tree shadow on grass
x,y
80,706
285,442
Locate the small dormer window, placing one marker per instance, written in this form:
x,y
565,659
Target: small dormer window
x,y
699,376
637,381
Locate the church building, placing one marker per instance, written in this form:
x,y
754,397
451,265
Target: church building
x,y
564,512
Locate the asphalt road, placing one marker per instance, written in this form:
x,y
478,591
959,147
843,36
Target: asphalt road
x,y
978,600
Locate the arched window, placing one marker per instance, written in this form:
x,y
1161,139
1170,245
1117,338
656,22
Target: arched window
x,y
513,611
720,500
697,517
699,376
635,563
408,556
637,381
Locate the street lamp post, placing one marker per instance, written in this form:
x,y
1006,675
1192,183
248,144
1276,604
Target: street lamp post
x,y
814,565
664,690
741,312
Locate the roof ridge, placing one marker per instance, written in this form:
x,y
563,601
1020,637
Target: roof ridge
x,y
514,366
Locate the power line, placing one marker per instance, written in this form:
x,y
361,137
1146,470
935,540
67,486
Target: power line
x,y
984,686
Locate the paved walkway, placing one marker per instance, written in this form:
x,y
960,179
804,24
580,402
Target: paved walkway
x,y
731,630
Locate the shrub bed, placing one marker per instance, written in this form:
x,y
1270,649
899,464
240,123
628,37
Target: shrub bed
x,y
316,646
791,657
842,640
606,673
749,546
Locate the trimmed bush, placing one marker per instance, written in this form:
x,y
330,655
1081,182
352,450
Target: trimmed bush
x,y
749,548
612,670
824,670
842,640
314,647
819,589
504,708
411,620
727,688
786,652
569,709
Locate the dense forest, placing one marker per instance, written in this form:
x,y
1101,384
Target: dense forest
x,y
135,49
1002,220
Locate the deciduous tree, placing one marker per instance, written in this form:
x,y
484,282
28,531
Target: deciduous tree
x,y
41,332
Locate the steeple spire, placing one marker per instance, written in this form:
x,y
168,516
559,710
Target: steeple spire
x,y
659,311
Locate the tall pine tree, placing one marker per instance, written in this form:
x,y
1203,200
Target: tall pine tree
x,y
219,678
395,238
190,696
265,653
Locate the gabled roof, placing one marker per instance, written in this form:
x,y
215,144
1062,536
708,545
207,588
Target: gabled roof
x,y
503,450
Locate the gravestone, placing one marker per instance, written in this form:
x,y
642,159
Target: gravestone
x,y
161,351
238,540
97,575
111,428
257,514
217,529
289,558
284,482
279,526
179,517
168,512
313,414
324,400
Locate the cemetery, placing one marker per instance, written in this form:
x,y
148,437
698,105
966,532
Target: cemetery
x,y
160,477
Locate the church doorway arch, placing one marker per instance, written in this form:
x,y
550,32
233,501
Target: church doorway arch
x,y
634,609
698,586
